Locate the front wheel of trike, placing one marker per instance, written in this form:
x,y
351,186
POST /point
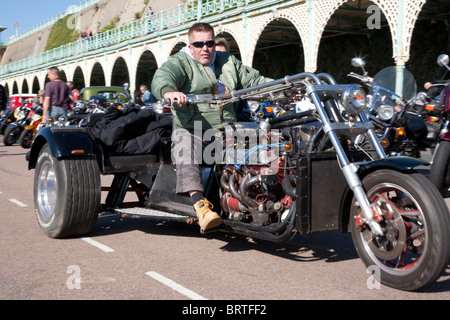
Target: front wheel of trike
x,y
415,247
66,194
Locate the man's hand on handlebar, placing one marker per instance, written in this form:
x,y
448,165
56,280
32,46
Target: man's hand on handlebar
x,y
176,98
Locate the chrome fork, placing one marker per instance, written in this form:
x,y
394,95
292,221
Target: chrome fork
x,y
350,169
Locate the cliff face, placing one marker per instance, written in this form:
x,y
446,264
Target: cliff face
x,y
105,13
33,44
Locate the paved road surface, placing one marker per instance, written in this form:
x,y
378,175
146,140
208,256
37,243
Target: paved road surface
x,y
141,259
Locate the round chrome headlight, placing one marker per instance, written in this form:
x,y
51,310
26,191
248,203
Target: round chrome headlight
x,y
354,99
22,115
386,112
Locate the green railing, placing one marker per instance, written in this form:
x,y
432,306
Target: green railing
x,y
183,13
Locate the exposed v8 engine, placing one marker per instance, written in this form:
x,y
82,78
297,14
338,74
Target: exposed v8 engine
x,y
256,175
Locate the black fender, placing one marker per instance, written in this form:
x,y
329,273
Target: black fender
x,y
394,163
401,164
13,124
66,142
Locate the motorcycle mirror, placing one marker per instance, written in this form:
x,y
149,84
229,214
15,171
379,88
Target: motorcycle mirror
x,y
359,63
443,60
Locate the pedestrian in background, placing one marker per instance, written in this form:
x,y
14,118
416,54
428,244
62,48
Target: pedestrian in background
x,y
74,93
56,98
146,94
138,98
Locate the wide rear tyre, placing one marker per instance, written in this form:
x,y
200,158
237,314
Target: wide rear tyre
x,y
416,246
439,171
66,194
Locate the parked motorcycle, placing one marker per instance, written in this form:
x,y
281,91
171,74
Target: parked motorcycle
x,y
297,172
26,137
15,101
14,129
401,130
7,117
439,171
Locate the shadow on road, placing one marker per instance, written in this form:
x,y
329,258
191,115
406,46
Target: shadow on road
x,y
331,246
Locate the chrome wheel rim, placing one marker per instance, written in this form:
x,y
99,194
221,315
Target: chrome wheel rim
x,y
46,191
406,217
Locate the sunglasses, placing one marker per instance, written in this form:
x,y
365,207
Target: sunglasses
x,y
200,44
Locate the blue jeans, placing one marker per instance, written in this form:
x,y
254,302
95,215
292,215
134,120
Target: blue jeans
x,y
56,112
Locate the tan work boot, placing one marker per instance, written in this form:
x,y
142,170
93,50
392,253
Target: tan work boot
x,y
207,218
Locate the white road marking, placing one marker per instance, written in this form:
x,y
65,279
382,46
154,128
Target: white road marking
x,y
98,245
20,204
175,286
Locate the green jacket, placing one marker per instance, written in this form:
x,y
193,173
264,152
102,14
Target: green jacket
x,y
182,73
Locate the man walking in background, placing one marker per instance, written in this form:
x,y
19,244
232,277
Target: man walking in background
x,y
56,98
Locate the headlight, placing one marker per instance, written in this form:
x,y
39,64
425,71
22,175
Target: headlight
x,y
354,99
386,112
253,105
22,115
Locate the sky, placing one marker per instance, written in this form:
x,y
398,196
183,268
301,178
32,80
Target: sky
x,y
29,13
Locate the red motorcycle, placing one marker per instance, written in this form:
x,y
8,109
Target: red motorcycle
x,y
439,172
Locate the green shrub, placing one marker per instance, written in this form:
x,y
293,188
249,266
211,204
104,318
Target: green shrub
x,y
61,34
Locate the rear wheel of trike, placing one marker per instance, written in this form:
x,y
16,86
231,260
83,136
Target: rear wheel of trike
x,y
66,194
415,247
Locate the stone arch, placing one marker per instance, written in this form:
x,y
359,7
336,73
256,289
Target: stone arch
x,y
401,37
45,79
279,36
25,87
401,32
62,75
178,47
63,71
145,69
348,33
430,39
15,89
7,89
257,25
78,78
97,75
233,39
35,85
173,46
120,73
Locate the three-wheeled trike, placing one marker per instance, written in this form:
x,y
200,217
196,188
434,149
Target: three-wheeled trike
x,y
302,172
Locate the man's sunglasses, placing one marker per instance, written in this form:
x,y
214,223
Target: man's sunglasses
x,y
200,44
